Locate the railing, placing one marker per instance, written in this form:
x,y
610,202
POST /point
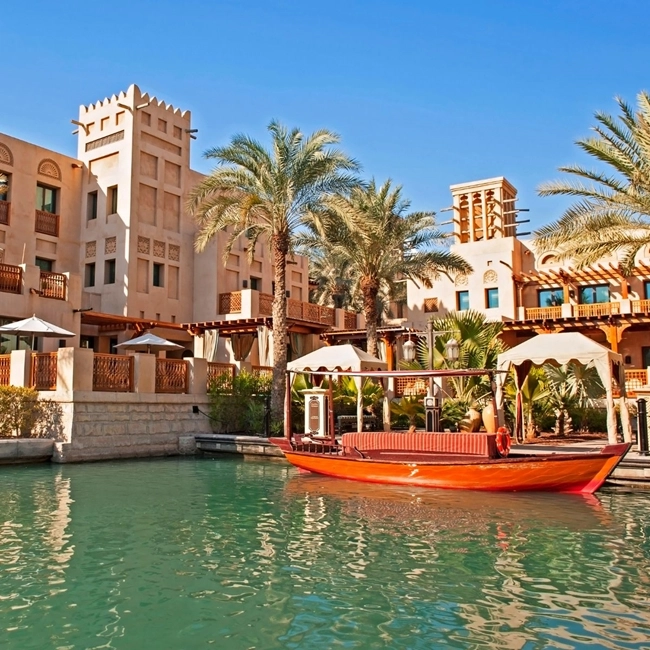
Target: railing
x,y
171,376
5,209
112,372
10,278
410,386
216,370
635,378
543,313
230,303
43,371
350,320
598,309
5,369
262,371
328,315
294,309
640,306
266,304
47,223
53,285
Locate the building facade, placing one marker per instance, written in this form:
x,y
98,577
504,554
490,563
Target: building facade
x,y
107,246
533,291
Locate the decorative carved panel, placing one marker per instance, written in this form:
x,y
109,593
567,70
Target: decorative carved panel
x,y
5,154
490,277
174,253
158,248
110,245
143,245
49,168
461,280
91,249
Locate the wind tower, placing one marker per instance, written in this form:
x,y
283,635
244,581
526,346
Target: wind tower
x,y
484,210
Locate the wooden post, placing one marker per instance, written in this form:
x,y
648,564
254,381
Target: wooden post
x,y
287,407
390,356
330,407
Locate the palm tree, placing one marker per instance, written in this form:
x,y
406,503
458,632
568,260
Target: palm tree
x,y
370,233
260,193
613,211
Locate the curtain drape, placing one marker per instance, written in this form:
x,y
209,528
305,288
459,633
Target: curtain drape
x,y
297,344
210,344
265,345
242,344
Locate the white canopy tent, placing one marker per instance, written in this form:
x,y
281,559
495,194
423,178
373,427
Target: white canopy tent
x,y
562,348
340,358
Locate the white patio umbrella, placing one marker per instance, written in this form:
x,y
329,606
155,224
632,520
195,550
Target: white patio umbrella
x,y
36,327
149,343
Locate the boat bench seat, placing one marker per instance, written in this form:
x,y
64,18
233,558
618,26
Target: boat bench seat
x,y
472,444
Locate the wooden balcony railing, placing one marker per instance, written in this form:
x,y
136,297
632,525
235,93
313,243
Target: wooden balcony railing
x,y
5,209
410,386
47,223
543,313
11,278
294,309
171,376
266,304
112,372
5,369
640,306
328,315
597,309
230,303
53,285
634,378
262,371
219,370
350,320
43,371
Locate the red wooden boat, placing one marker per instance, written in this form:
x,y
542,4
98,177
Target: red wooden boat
x,y
582,472
461,461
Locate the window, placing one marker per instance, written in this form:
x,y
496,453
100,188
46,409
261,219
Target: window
x,y
645,356
46,198
594,294
430,305
87,342
44,265
4,186
112,345
111,207
109,272
158,275
491,298
91,206
256,284
462,300
550,297
646,290
89,275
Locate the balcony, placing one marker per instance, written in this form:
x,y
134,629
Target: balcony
x,y
250,304
5,209
11,278
47,223
543,313
53,285
597,309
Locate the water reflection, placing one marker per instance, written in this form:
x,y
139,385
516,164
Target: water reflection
x,y
186,554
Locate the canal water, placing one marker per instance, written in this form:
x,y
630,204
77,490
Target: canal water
x,y
232,554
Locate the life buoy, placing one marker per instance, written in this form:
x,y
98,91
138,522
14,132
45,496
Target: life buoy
x,y
502,440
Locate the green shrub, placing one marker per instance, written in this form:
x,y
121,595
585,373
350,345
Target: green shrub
x,y
23,415
238,405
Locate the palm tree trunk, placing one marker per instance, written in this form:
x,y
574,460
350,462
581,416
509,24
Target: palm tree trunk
x,y
369,291
280,248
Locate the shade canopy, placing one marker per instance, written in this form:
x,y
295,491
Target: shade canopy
x,y
337,357
36,327
149,343
563,348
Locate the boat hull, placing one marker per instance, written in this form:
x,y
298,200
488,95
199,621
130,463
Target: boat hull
x,y
574,473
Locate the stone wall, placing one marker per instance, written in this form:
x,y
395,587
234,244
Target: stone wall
x,y
103,426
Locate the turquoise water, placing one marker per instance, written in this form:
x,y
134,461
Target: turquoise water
x,y
239,555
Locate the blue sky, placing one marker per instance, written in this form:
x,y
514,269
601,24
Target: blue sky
x,y
428,93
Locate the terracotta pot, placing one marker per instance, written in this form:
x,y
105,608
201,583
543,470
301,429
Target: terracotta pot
x,y
488,418
471,422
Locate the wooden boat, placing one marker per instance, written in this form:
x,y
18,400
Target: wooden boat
x,y
582,472
459,461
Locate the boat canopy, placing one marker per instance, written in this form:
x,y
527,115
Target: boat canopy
x,y
560,349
